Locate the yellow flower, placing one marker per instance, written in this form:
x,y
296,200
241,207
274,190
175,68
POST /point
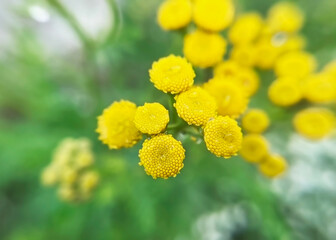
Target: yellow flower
x,y
116,127
225,69
254,148
285,17
67,193
246,28
266,54
84,159
50,176
172,74
245,55
69,175
314,123
162,156
249,80
89,181
152,118
196,106
293,43
213,15
204,49
223,136
295,64
273,166
174,14
230,96
319,88
330,68
285,92
255,121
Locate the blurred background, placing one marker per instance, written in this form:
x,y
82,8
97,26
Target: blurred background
x,y
61,65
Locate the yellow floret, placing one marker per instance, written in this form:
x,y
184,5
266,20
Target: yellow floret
x,y
116,127
174,14
285,17
69,175
254,148
84,159
50,176
314,123
162,156
89,181
204,49
245,55
255,121
293,43
285,92
246,28
213,15
67,193
320,88
249,80
273,166
266,53
152,118
223,136
225,69
230,96
172,74
295,64
330,69
196,106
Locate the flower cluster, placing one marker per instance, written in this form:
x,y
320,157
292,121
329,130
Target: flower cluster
x,y
71,169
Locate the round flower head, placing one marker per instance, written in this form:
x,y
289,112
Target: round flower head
x,y
172,74
213,15
175,14
230,96
196,106
67,193
249,80
116,127
50,176
254,148
246,28
293,43
223,136
273,166
266,54
255,121
89,181
227,69
285,92
314,123
152,118
330,69
295,64
320,88
285,17
204,49
245,55
162,156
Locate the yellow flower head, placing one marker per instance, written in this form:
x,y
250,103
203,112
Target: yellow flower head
x,y
246,28
330,69
152,118
204,49
213,15
285,92
228,68
249,80
196,106
223,136
174,14
172,74
245,55
89,181
162,156
273,166
84,159
295,64
68,175
314,123
285,17
50,176
254,148
230,96
293,43
266,53
255,121
116,127
320,88
67,193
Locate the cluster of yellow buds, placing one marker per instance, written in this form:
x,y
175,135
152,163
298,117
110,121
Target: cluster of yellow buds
x,y
71,169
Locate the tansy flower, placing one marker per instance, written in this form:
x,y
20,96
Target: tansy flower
x,y
295,64
67,193
255,121
245,55
285,92
213,15
174,14
246,28
293,43
162,156
285,17
266,53
204,49
225,69
89,181
152,118
314,123
249,80
254,148
230,96
223,136
319,88
196,106
68,175
84,159
273,166
50,176
330,68
172,74
116,127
